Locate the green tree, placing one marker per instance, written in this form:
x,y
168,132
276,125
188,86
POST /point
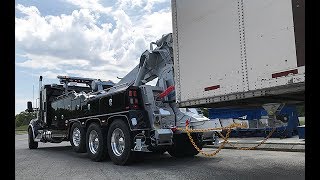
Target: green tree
x,y
301,110
23,118
205,112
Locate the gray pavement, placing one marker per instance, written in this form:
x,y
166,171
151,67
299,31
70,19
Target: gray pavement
x,y
293,144
294,140
58,161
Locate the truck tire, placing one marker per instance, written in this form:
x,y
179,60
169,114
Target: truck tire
x,y
119,143
78,138
182,146
96,142
31,143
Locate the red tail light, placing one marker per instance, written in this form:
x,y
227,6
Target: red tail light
x,y
133,99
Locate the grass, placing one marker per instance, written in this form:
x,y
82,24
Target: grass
x,y
22,129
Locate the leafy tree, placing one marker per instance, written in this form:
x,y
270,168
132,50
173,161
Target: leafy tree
x,y
301,110
205,112
23,118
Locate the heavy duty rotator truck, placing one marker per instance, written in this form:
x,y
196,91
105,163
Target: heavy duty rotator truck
x,y
118,120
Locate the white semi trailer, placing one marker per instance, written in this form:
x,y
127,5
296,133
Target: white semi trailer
x,y
238,52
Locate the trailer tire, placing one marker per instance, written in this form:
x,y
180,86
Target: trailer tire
x,y
32,144
182,146
77,130
96,142
120,143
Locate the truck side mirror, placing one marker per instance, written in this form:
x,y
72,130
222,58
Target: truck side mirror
x,y
29,106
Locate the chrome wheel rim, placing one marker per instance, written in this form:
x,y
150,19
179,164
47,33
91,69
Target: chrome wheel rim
x,y
93,141
76,135
117,142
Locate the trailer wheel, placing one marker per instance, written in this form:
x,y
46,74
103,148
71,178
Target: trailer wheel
x,y
182,146
119,143
78,138
96,142
31,143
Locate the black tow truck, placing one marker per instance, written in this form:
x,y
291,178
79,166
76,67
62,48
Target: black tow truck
x,y
120,120
82,113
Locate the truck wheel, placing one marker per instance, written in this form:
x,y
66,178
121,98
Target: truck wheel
x,y
31,143
182,146
78,138
96,142
119,143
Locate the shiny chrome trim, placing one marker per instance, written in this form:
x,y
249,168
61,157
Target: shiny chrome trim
x,y
93,141
76,136
117,142
88,117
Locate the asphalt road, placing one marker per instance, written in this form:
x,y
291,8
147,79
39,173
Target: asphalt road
x,y
59,161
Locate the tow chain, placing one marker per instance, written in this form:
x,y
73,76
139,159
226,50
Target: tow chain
x,y
247,148
225,138
204,153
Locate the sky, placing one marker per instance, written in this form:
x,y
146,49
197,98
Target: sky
x,y
100,39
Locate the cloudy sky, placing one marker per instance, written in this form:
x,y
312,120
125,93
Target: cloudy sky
x,y
88,38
